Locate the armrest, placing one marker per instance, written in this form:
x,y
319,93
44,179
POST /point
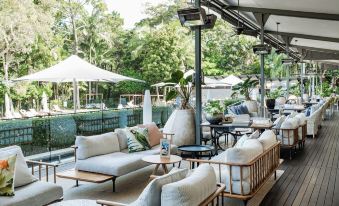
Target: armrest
x,y
74,147
109,203
47,165
220,188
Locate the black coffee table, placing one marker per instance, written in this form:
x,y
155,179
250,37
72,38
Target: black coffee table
x,y
196,151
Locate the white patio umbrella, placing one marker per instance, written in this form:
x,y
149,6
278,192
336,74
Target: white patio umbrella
x,y
74,69
147,108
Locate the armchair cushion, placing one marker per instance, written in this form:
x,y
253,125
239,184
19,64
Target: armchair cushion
x,y
254,135
277,123
290,123
97,145
267,139
241,141
22,175
151,195
192,190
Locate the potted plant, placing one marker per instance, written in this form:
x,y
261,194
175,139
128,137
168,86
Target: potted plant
x,y
214,112
272,96
245,88
181,123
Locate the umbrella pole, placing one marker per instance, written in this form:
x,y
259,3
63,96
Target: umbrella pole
x,y
75,95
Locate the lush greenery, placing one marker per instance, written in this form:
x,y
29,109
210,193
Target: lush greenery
x,y
278,92
183,88
37,34
214,107
245,88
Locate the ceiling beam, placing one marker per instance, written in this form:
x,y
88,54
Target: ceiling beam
x,y
291,13
315,49
304,36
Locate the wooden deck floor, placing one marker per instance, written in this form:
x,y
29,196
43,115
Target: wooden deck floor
x,y
312,177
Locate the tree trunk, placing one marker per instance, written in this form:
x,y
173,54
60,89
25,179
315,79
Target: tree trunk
x,y
5,65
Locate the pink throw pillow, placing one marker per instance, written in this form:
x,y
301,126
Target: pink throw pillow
x,y
154,134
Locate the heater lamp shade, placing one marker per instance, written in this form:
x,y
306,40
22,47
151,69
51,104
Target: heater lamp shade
x,y
192,17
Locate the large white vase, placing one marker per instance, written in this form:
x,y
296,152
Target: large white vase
x,y
147,108
181,123
251,105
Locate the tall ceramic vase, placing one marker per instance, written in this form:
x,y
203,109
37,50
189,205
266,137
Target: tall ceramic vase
x,y
181,123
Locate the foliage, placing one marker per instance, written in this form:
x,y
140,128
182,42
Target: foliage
x,y
245,88
183,89
228,102
214,107
325,90
295,90
278,92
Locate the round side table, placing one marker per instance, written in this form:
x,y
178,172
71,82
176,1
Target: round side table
x,y
195,151
163,161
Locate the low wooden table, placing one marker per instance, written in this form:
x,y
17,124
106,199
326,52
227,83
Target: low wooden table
x,y
163,161
78,175
78,202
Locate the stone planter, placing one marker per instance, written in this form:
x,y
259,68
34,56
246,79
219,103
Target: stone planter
x,y
214,119
270,103
182,124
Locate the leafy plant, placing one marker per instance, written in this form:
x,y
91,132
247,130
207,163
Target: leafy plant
x,y
228,102
295,90
245,88
183,89
326,90
214,107
275,93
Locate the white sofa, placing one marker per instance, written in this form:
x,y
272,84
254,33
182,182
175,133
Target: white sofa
x,y
29,191
179,187
112,158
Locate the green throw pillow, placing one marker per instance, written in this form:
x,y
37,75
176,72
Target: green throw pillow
x,y
7,169
137,139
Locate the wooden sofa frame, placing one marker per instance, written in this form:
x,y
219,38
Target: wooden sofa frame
x,y
290,132
261,169
301,142
210,200
47,167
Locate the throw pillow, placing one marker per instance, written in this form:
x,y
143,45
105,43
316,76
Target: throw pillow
x,y
137,139
23,175
154,133
245,109
254,135
7,169
277,123
241,141
151,195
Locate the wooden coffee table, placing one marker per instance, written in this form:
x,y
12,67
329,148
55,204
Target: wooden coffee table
x,y
163,161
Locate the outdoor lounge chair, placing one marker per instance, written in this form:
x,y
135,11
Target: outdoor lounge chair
x,y
29,191
178,188
56,108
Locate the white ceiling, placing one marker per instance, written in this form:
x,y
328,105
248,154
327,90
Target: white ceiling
x,y
307,26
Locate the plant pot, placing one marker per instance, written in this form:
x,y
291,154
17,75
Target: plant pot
x,y
270,103
251,105
181,123
214,118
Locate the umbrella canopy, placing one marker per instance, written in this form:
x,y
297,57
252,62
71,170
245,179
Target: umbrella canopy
x,y
232,80
75,68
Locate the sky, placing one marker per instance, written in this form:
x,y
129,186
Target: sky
x,y
131,11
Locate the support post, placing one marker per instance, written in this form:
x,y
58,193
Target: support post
x,y
198,109
262,69
302,80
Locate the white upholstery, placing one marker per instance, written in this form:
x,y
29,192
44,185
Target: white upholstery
x,y
290,123
34,194
23,175
277,123
122,138
280,101
241,141
301,121
267,139
192,190
97,145
249,151
254,135
151,195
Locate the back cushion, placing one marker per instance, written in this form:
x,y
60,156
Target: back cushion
x,y
192,190
254,135
267,139
151,195
122,137
249,151
22,175
154,134
290,123
97,145
277,123
241,141
301,118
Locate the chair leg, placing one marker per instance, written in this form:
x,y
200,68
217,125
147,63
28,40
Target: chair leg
x,y
245,202
275,175
290,153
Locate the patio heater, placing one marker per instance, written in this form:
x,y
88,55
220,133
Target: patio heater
x,y
196,18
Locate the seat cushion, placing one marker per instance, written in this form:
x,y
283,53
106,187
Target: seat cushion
x,y
23,175
151,195
97,145
192,190
36,193
116,164
267,139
